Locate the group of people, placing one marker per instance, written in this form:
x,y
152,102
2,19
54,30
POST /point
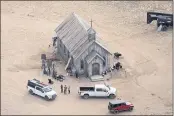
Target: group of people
x,y
65,89
116,66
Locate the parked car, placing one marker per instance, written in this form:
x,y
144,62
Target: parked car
x,y
100,90
119,105
36,87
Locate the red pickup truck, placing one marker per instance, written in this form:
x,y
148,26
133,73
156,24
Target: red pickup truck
x,y
119,105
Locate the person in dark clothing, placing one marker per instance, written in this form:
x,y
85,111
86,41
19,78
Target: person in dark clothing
x,y
50,81
54,41
44,71
49,71
121,66
117,65
69,90
76,74
103,74
54,75
61,87
113,66
65,89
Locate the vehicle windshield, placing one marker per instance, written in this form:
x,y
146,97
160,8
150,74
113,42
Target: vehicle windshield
x,y
110,105
47,89
108,87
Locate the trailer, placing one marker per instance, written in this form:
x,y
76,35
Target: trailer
x,y
163,20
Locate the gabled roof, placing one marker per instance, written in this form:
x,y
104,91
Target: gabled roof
x,y
91,31
87,44
92,55
73,32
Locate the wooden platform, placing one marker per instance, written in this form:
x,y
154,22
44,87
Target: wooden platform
x,y
97,78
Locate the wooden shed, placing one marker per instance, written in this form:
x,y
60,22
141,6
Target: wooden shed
x,y
80,46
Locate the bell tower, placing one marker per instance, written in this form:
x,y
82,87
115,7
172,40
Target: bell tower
x,y
91,33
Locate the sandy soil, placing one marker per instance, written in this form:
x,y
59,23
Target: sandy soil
x,y
27,28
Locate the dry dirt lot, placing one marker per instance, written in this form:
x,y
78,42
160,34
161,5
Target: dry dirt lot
x,y
27,29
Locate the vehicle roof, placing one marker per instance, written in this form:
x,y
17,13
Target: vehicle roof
x,y
100,85
117,101
38,82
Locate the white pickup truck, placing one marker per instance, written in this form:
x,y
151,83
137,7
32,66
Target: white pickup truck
x,y
36,87
99,90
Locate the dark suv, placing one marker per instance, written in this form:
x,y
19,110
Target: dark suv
x,y
119,105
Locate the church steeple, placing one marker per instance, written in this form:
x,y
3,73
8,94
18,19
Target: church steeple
x,y
91,34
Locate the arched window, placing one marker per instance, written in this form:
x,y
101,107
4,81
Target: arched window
x,y
82,64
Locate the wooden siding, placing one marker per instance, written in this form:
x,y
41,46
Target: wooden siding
x,y
102,52
73,37
61,52
95,60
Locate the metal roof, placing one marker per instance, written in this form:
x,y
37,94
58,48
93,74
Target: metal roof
x,y
73,32
117,101
91,31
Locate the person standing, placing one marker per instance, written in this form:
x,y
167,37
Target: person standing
x,y
48,71
61,87
102,74
44,71
76,74
69,90
65,89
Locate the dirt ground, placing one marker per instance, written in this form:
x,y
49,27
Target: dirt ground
x,y
27,29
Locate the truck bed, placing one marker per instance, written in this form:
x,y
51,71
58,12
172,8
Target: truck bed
x,y
87,88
